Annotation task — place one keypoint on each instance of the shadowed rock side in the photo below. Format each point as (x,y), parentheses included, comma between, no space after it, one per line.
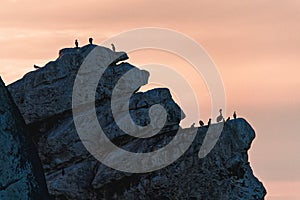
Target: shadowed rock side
(21,173)
(44,98)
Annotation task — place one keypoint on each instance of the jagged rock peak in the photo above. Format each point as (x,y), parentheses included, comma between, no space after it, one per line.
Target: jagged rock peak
(47,91)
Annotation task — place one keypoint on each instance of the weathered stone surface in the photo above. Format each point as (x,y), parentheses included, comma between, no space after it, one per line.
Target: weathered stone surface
(224,174)
(21,173)
(47,91)
(72,173)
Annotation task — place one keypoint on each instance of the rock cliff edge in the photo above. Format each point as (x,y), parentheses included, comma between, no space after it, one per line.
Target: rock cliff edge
(44,98)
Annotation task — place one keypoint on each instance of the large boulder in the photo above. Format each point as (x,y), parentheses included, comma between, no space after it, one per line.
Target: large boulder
(45,100)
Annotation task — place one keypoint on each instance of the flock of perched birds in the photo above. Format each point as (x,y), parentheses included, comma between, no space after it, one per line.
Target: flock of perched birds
(91,42)
(77,46)
(220,118)
(201,123)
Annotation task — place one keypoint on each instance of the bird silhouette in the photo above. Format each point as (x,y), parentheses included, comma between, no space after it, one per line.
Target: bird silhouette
(220,117)
(91,40)
(113,47)
(76,43)
(227,120)
(209,122)
(36,67)
(201,123)
(234,115)
(193,125)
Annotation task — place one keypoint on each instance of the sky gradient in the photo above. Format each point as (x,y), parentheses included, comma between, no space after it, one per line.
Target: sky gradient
(254,44)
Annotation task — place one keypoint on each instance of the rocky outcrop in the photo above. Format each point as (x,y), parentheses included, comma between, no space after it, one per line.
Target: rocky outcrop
(47,92)
(21,173)
(44,98)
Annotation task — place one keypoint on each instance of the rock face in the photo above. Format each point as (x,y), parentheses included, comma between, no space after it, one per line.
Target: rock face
(44,98)
(21,173)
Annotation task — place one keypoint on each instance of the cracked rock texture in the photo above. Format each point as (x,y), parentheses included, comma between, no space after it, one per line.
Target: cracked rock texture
(44,98)
(21,173)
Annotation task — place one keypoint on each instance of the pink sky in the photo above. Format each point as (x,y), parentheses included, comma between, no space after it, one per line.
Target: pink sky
(255,45)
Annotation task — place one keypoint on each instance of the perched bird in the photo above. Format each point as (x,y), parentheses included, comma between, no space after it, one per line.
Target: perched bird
(227,119)
(220,117)
(234,115)
(209,122)
(36,67)
(91,40)
(76,43)
(62,171)
(193,125)
(113,47)
(201,123)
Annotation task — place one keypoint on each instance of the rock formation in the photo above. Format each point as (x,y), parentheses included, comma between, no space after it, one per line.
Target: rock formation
(21,173)
(44,98)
